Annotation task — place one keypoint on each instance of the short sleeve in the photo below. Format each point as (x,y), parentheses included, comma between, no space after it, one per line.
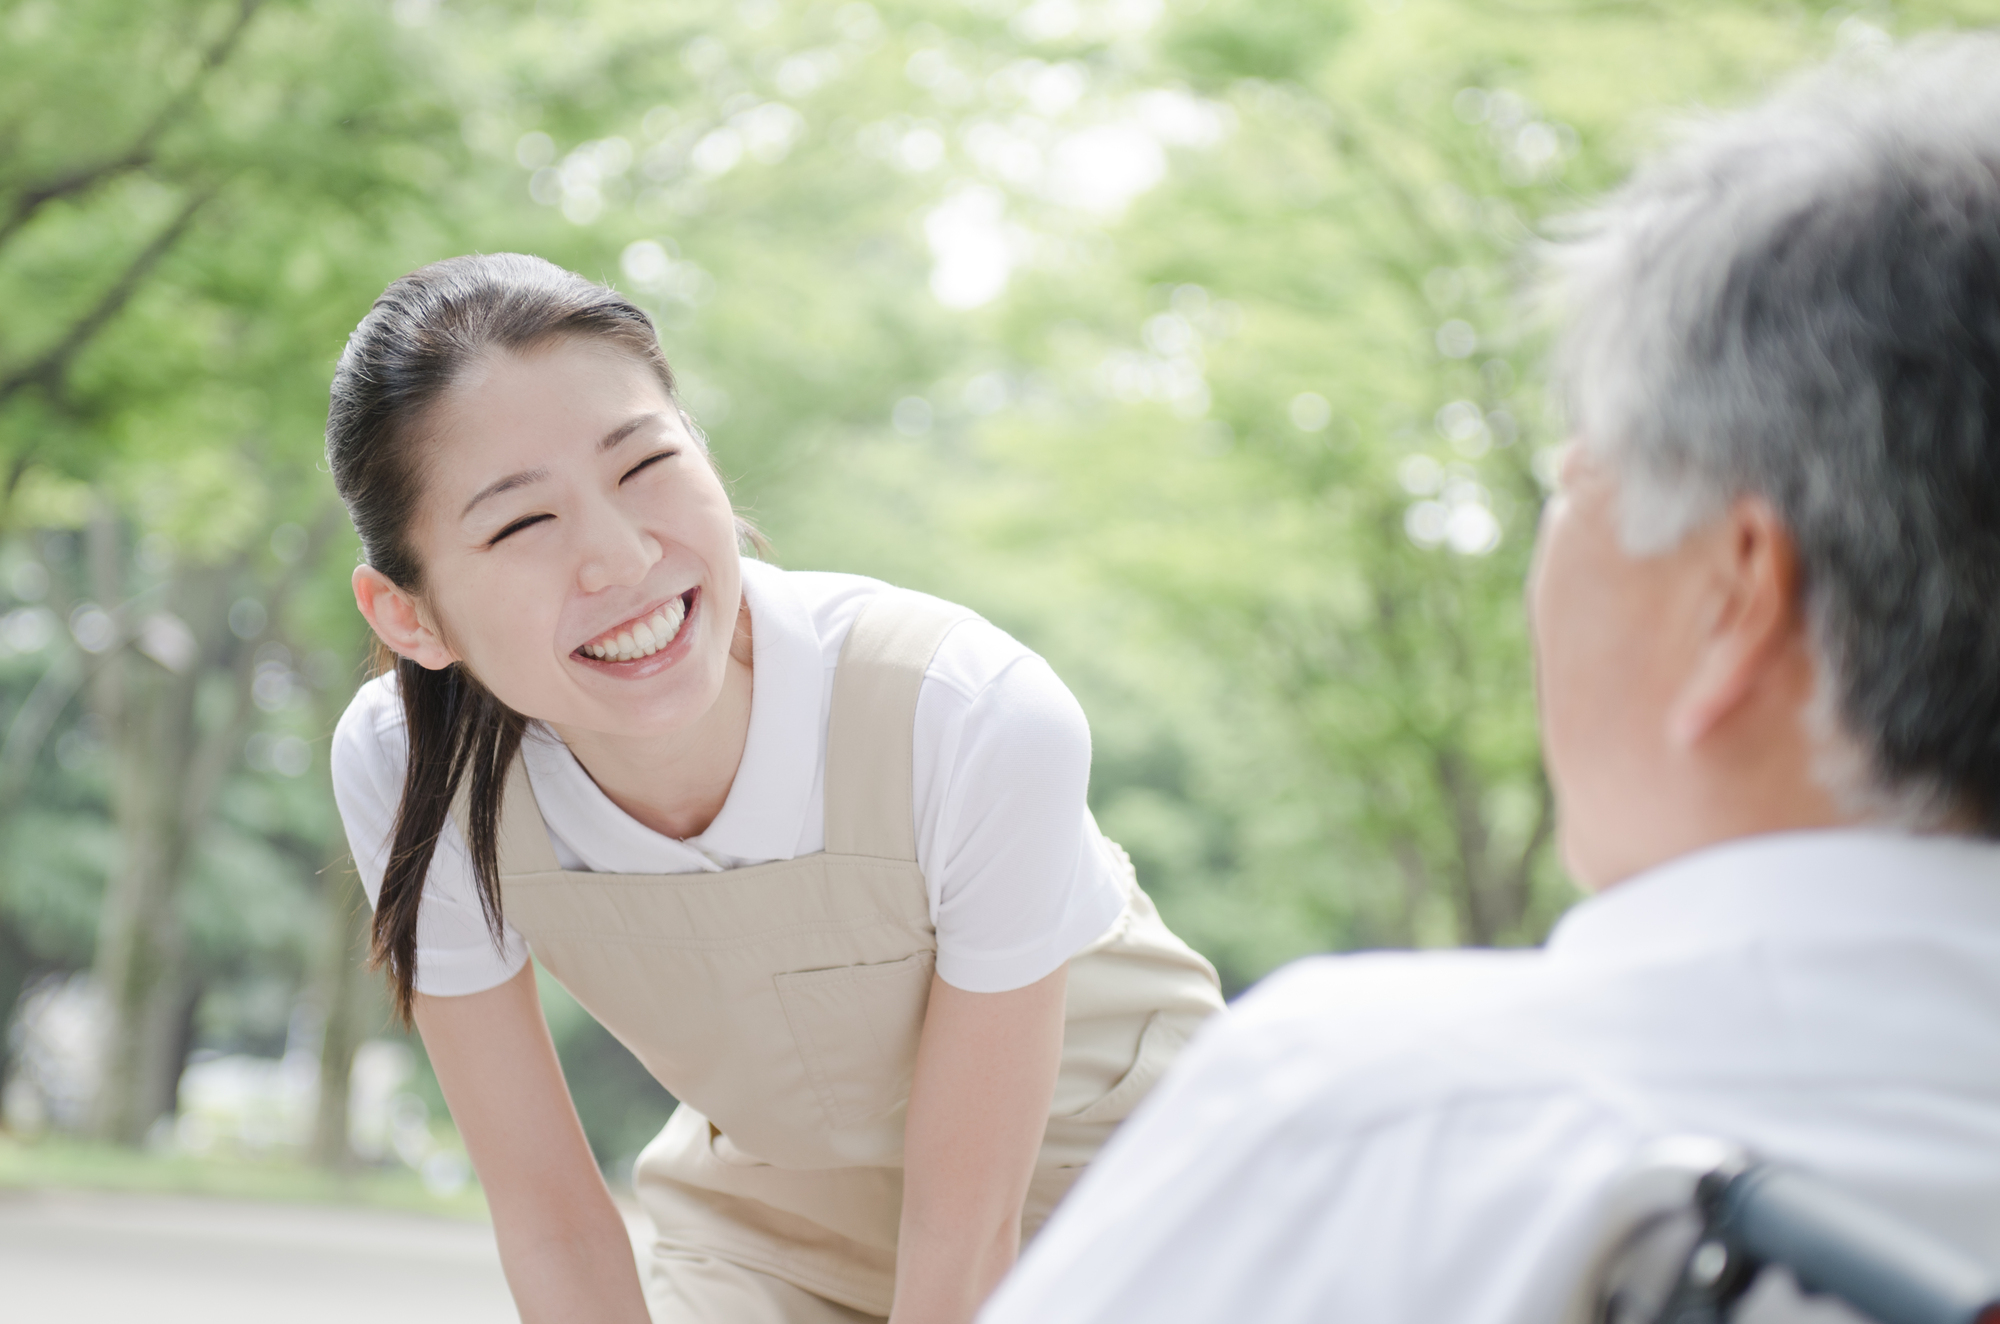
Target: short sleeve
(1022,880)
(456,952)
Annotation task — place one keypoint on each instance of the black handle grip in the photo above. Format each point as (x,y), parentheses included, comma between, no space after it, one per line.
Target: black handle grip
(1834,1243)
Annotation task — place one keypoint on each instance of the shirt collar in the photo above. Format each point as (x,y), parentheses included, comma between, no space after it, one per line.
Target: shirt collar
(1801,885)
(767,804)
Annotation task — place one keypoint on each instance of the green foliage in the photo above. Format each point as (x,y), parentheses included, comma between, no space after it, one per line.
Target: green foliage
(56,867)
(1223,41)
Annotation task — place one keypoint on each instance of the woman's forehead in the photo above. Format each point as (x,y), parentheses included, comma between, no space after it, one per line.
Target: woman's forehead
(571,393)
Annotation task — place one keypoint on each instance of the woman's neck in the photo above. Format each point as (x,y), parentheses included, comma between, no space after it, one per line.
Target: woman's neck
(677,784)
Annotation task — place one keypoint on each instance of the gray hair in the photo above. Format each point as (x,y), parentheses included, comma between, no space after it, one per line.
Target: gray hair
(1802,302)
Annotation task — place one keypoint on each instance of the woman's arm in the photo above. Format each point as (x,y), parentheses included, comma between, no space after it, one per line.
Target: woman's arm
(979,1102)
(562,1243)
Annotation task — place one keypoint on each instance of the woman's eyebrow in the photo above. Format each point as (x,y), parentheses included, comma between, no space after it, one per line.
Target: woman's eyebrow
(627,428)
(507,484)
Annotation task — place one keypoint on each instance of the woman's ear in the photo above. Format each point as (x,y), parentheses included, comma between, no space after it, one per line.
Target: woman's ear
(397,622)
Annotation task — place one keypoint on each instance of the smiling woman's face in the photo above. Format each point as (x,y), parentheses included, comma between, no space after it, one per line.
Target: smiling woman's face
(579,552)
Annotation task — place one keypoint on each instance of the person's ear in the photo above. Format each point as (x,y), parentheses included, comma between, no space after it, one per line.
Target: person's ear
(398,622)
(1748,622)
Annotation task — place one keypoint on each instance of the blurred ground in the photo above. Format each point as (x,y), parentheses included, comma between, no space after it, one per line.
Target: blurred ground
(103,1258)
(65,1163)
(87,1257)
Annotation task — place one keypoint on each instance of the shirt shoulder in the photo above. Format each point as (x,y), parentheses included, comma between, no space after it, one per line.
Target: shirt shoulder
(978,658)
(971,656)
(370,743)
(830,600)
(1359,1040)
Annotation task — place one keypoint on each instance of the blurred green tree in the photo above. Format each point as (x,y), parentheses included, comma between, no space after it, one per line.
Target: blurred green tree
(183,187)
(1182,339)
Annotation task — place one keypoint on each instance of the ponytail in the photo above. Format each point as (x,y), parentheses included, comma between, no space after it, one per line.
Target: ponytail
(456,729)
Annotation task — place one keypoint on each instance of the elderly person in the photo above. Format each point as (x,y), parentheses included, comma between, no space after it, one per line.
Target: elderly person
(1766,609)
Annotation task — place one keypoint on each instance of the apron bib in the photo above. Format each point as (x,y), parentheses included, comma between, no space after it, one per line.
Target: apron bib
(781,1003)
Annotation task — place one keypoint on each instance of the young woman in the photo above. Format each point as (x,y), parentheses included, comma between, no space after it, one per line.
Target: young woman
(814,848)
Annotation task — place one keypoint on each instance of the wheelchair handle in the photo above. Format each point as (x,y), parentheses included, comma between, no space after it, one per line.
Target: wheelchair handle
(1838,1245)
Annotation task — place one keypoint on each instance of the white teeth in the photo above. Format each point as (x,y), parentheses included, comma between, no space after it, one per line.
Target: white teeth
(644,639)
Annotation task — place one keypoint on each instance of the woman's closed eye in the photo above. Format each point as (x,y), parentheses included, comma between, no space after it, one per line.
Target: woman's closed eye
(524,522)
(656,456)
(528,521)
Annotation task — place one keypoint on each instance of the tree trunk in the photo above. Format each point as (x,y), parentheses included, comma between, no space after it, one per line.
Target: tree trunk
(159,799)
(18,969)
(1416,886)
(343,995)
(167,769)
(141,966)
(1482,916)
(1493,895)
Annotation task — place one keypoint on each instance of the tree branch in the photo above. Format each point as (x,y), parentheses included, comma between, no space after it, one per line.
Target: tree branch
(47,371)
(1544,829)
(140,154)
(32,723)
(1416,882)
(1462,794)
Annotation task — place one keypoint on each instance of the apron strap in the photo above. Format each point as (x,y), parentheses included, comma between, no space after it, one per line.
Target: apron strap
(873,723)
(523,844)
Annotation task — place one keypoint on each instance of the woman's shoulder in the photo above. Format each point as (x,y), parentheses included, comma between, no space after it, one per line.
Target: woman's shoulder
(827,600)
(369,742)
(973,657)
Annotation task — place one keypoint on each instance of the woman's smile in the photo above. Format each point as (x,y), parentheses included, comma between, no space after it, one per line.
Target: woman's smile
(658,635)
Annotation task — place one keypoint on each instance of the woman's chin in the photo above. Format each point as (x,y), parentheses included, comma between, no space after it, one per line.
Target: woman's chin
(675,699)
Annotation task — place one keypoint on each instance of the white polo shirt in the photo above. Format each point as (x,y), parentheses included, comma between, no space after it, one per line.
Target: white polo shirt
(1018,876)
(1423,1138)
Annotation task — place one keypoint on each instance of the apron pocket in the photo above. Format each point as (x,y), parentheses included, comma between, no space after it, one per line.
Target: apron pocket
(1159,1044)
(856,1027)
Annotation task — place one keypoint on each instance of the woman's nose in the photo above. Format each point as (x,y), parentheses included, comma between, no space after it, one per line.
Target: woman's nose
(617,554)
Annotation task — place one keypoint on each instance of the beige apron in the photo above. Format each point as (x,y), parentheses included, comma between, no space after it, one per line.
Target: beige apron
(781,1003)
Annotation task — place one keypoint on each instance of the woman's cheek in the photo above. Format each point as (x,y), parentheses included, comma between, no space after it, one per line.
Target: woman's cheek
(515,619)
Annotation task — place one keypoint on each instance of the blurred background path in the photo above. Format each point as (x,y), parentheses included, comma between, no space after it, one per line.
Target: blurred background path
(100,1258)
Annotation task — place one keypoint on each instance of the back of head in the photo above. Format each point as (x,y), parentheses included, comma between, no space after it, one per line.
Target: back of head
(1802,302)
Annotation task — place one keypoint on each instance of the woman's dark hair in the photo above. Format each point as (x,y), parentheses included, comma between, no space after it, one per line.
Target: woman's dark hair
(416,341)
